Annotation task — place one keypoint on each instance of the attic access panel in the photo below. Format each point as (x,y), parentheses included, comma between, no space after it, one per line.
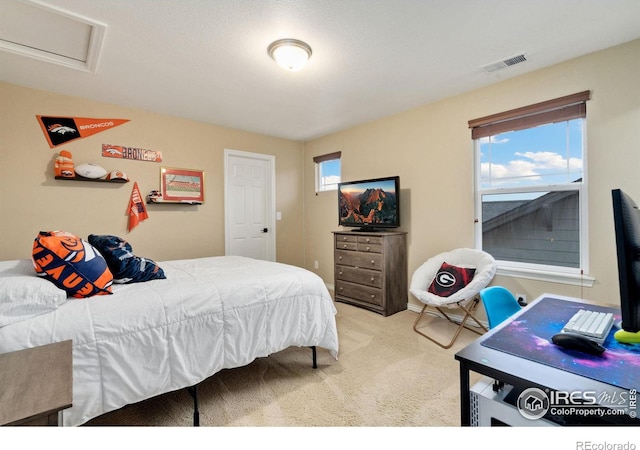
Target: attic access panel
(39,31)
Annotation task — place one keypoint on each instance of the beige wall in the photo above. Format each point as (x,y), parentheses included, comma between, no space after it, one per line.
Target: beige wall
(32,200)
(430,149)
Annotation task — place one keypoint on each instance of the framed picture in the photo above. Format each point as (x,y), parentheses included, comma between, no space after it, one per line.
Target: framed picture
(182,185)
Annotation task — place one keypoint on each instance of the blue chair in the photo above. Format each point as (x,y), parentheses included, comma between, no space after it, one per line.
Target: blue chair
(499,304)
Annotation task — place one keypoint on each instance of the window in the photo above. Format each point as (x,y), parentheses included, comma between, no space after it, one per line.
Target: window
(327,171)
(531,189)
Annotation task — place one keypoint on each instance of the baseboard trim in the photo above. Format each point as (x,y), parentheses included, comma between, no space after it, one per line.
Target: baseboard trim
(417,308)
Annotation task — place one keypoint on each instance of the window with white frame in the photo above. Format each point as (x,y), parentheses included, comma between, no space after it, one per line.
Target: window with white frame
(327,171)
(531,187)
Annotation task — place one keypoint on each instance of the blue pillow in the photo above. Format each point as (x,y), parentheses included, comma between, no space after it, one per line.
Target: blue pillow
(123,264)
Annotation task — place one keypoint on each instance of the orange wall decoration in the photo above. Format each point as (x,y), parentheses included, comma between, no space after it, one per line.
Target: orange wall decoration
(60,130)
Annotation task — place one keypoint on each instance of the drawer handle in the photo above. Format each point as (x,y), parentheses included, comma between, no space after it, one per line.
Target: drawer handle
(340,257)
(344,246)
(340,273)
(373,262)
(344,238)
(368,240)
(340,289)
(372,279)
(373,296)
(368,248)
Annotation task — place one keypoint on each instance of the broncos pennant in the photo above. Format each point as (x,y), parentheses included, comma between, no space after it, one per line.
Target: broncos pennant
(72,264)
(59,130)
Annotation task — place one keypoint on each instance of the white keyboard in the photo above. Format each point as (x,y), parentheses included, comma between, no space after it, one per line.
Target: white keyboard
(591,324)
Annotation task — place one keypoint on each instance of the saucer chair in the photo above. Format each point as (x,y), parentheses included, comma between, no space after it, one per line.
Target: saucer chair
(452,280)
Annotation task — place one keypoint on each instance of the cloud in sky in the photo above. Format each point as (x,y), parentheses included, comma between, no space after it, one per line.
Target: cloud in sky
(331,179)
(493,140)
(515,169)
(551,160)
(529,165)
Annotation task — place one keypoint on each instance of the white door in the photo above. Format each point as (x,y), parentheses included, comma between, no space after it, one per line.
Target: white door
(249,205)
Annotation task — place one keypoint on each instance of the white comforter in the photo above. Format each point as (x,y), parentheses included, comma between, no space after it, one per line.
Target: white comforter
(159,336)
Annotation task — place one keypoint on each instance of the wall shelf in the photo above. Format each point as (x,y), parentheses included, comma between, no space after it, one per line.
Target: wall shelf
(174,202)
(99,180)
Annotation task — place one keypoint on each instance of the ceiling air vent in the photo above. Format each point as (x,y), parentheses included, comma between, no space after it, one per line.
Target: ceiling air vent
(505,63)
(33,29)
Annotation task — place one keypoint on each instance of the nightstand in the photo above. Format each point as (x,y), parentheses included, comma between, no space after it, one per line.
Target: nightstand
(36,384)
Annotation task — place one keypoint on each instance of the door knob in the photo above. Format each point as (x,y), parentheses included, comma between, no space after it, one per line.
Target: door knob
(264,230)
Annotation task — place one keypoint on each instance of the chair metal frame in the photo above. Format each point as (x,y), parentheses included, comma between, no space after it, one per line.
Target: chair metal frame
(463,323)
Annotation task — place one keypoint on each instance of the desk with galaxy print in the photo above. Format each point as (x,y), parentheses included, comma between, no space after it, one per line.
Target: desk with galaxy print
(519,353)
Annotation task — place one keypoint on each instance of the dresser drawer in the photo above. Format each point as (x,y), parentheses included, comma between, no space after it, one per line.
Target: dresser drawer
(373,240)
(356,291)
(342,245)
(346,242)
(346,238)
(369,248)
(358,275)
(359,259)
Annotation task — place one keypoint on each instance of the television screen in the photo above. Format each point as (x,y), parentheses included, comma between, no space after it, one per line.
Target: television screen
(369,204)
(627,231)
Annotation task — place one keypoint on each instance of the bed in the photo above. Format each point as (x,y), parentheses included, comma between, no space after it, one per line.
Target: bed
(146,339)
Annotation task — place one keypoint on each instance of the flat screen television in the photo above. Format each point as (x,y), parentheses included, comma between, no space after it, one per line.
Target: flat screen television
(369,205)
(626,218)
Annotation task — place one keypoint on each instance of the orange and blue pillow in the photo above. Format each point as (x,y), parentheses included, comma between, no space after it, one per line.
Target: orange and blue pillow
(72,264)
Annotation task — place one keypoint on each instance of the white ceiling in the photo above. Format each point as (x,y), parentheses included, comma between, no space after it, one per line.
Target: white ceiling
(206,60)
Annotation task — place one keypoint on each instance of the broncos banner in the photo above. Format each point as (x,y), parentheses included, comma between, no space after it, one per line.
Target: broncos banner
(119,151)
(136,210)
(60,130)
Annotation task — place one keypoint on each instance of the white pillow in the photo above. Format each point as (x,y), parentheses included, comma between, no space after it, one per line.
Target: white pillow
(23,294)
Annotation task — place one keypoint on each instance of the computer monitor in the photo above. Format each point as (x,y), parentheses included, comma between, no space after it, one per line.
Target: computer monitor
(626,217)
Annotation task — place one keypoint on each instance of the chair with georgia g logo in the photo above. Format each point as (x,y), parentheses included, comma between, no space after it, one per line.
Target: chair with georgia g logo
(452,280)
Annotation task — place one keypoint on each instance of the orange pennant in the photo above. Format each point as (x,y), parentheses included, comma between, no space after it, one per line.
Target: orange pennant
(137,211)
(60,130)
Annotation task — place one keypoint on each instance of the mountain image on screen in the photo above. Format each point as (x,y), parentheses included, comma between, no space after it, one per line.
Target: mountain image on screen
(371,206)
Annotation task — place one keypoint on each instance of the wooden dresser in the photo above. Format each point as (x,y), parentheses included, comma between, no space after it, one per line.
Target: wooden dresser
(371,270)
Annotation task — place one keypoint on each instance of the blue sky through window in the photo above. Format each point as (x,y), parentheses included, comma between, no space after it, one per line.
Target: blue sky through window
(544,155)
(330,172)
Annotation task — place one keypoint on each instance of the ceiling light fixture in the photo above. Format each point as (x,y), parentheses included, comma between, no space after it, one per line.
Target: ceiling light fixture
(290,54)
